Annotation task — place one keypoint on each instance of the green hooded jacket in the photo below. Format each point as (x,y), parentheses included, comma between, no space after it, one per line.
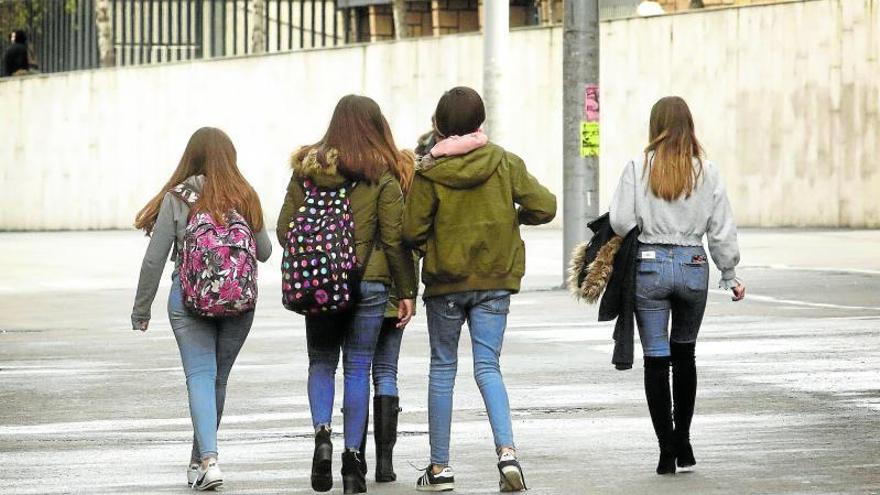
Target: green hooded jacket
(377,209)
(465,212)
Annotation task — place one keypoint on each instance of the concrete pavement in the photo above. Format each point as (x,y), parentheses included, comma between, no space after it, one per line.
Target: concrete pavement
(788,399)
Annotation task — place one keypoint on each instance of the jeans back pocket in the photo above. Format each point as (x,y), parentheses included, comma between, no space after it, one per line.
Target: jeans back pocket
(696,276)
(649,277)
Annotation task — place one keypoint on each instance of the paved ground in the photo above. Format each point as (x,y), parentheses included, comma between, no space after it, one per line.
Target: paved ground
(788,400)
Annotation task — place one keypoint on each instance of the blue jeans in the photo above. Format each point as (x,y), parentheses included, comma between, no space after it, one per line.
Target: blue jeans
(386,358)
(356,336)
(486,314)
(671,280)
(208,348)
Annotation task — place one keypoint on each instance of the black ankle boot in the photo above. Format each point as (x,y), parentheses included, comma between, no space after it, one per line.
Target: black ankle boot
(386,410)
(322,462)
(660,407)
(684,394)
(353,480)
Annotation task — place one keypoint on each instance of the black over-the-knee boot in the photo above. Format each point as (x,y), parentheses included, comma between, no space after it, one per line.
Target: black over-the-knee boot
(386,409)
(684,394)
(660,407)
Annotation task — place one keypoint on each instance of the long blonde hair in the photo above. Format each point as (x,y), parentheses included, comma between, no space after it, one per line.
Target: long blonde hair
(674,143)
(211,153)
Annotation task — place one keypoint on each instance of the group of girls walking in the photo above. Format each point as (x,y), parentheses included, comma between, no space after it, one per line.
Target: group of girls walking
(358,217)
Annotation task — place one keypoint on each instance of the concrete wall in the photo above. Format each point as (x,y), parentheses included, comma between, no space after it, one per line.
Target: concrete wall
(785,97)
(86,150)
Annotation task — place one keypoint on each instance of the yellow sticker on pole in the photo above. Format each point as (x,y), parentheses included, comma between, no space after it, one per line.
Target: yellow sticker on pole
(589,139)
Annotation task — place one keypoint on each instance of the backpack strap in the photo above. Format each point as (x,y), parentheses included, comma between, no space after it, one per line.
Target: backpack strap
(186,194)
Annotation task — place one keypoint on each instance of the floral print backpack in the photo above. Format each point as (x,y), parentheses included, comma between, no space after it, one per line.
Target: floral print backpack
(218,267)
(319,269)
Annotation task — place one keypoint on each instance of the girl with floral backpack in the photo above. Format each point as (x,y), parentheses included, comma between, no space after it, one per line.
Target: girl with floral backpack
(210,219)
(340,227)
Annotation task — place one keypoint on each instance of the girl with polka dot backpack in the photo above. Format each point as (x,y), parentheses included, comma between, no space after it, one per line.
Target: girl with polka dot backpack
(340,226)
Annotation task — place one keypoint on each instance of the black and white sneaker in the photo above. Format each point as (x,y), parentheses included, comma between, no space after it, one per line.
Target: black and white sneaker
(512,478)
(208,479)
(192,474)
(444,481)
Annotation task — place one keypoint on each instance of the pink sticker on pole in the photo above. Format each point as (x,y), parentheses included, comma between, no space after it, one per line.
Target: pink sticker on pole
(591,103)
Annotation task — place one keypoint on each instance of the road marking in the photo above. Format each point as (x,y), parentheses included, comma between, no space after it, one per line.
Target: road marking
(858,271)
(794,302)
(118,425)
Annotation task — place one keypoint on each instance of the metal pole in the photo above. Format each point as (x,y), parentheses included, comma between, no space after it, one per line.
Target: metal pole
(580,78)
(495,34)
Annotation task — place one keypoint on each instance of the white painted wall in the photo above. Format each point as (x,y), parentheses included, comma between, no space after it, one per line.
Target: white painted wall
(86,150)
(785,97)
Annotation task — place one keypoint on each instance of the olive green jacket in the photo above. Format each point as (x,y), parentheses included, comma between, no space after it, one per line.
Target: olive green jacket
(377,210)
(463,209)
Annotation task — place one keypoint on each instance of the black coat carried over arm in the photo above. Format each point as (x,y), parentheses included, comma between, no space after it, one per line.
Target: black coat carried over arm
(606,266)
(619,300)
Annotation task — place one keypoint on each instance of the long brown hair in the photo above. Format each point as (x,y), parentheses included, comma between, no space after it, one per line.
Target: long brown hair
(404,170)
(362,137)
(674,143)
(211,153)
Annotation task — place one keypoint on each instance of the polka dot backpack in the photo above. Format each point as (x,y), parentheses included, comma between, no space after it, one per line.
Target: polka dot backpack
(319,268)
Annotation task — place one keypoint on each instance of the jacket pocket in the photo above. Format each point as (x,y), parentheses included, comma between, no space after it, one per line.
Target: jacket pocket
(448,258)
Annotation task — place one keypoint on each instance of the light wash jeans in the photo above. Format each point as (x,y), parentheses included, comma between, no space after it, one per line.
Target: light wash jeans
(386,358)
(486,315)
(356,336)
(671,281)
(208,348)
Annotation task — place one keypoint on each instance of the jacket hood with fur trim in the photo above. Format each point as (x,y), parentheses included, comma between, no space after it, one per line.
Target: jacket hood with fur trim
(323,175)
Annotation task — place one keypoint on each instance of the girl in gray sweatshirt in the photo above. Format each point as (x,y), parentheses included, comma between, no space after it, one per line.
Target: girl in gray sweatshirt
(675,198)
(206,182)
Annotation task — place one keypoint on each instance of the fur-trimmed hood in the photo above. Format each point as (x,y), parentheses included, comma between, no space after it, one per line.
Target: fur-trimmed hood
(587,279)
(324,173)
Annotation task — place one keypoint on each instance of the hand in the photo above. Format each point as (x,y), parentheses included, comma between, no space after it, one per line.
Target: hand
(405,311)
(142,325)
(739,292)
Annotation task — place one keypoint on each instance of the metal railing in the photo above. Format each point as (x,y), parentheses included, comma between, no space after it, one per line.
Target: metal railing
(150,31)
(63,34)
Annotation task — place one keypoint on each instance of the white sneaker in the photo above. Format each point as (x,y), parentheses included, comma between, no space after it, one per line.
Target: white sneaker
(208,479)
(192,474)
(512,478)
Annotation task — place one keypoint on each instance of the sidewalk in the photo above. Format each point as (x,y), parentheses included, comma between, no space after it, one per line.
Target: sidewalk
(111,259)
